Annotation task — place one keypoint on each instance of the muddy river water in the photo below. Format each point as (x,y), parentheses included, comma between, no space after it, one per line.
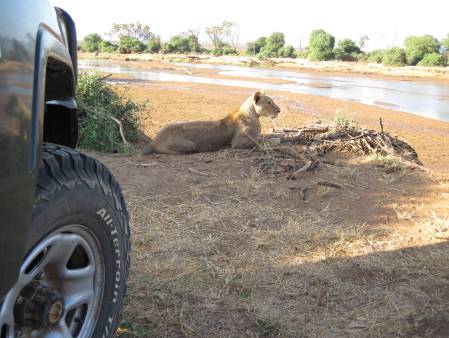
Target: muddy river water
(417,97)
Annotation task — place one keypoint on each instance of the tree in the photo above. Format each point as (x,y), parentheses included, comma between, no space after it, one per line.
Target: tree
(273,43)
(347,50)
(362,41)
(180,44)
(445,44)
(416,47)
(194,34)
(215,34)
(231,31)
(254,47)
(128,45)
(321,45)
(133,30)
(91,42)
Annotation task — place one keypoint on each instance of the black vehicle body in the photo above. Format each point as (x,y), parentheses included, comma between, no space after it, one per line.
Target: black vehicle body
(37,88)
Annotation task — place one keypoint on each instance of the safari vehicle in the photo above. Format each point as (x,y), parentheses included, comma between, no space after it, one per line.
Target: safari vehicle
(64,242)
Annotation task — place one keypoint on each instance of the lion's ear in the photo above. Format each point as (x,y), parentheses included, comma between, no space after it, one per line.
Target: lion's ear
(257,96)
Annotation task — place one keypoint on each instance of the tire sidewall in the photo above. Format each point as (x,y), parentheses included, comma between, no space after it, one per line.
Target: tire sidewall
(95,211)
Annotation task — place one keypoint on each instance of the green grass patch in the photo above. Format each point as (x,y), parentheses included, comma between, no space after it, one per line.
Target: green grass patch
(98,105)
(343,120)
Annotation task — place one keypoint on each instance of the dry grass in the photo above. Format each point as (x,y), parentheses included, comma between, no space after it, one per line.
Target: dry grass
(240,255)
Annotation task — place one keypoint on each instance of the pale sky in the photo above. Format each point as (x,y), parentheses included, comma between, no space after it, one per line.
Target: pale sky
(384,21)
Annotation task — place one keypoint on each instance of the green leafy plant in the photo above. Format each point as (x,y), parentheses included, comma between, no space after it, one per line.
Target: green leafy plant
(433,60)
(129,45)
(394,57)
(417,47)
(376,56)
(287,52)
(100,107)
(321,46)
(347,50)
(91,42)
(108,47)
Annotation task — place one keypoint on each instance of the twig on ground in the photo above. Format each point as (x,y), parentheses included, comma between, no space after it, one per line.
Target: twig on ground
(197,172)
(143,164)
(329,184)
(303,169)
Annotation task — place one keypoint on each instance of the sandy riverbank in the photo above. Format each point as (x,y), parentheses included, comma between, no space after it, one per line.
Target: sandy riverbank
(435,74)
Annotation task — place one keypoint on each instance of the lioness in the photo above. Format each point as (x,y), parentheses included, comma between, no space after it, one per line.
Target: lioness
(240,129)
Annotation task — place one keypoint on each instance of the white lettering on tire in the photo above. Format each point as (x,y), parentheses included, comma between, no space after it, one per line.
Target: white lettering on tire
(116,244)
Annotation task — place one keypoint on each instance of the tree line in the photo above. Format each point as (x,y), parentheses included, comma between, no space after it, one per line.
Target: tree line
(423,50)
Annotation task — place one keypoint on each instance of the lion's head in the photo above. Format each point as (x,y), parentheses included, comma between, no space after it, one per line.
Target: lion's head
(264,105)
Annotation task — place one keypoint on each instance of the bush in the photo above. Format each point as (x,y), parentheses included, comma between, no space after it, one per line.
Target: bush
(91,43)
(433,60)
(179,44)
(321,45)
(228,50)
(394,57)
(376,56)
(268,51)
(129,45)
(303,54)
(346,51)
(416,48)
(108,47)
(154,45)
(362,57)
(320,55)
(253,48)
(287,52)
(97,103)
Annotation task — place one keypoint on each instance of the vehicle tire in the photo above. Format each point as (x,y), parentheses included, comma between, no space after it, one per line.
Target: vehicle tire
(79,242)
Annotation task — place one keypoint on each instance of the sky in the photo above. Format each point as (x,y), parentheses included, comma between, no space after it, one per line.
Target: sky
(385,22)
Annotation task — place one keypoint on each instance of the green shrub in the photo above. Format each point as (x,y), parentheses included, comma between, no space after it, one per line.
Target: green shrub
(129,45)
(228,50)
(320,55)
(433,60)
(108,47)
(91,43)
(416,48)
(394,57)
(287,52)
(253,48)
(97,104)
(303,54)
(179,44)
(376,56)
(154,45)
(346,51)
(268,51)
(362,57)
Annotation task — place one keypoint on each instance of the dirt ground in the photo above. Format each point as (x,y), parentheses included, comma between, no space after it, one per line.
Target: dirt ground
(225,247)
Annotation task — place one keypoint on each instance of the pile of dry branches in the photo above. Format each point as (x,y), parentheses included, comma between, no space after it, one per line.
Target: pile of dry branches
(290,147)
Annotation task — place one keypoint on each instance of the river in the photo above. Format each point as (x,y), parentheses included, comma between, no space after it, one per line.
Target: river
(417,97)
